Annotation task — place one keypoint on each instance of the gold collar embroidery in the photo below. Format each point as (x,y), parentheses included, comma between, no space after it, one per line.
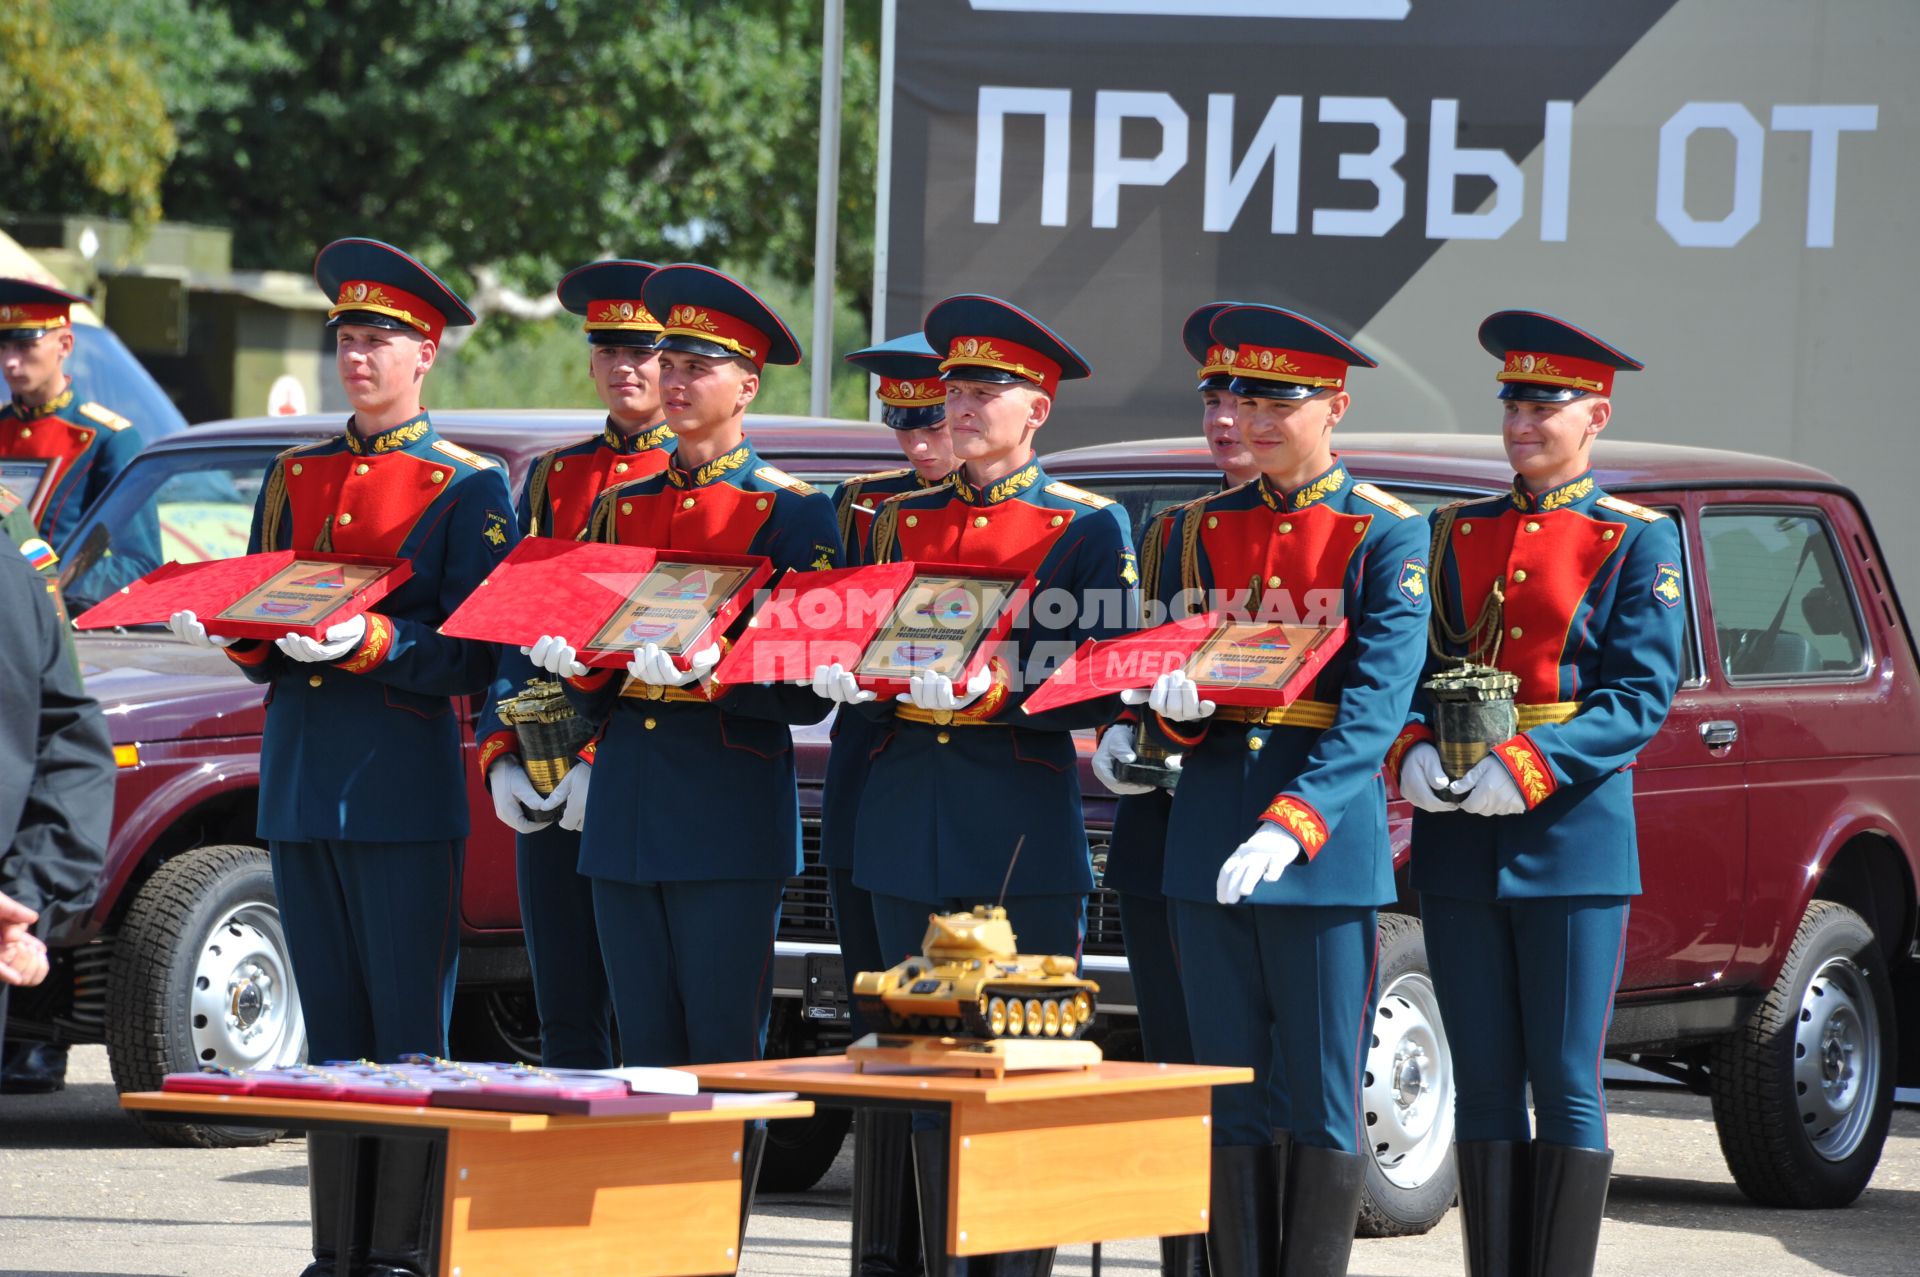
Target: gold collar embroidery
(1564,495)
(1319,490)
(1014,484)
(638,441)
(393,440)
(47,409)
(724,464)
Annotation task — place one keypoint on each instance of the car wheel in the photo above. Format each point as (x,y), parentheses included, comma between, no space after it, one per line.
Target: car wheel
(202,975)
(495,1025)
(1407,1093)
(1803,1091)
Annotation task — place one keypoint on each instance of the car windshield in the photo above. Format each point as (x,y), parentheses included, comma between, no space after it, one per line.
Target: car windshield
(186,505)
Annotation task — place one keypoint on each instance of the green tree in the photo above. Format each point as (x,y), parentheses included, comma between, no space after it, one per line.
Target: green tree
(82,125)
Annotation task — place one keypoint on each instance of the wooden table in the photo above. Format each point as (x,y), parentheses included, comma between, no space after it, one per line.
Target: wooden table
(1038,1159)
(645,1195)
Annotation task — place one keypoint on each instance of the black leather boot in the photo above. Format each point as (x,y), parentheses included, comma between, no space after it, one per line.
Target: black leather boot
(328,1156)
(1496,1205)
(1569,1201)
(886,1215)
(405,1241)
(1184,1256)
(753,1147)
(33,1068)
(1243,1212)
(1322,1205)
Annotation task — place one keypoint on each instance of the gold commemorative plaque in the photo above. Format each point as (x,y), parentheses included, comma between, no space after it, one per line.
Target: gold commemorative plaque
(1254,655)
(673,605)
(937,626)
(305,593)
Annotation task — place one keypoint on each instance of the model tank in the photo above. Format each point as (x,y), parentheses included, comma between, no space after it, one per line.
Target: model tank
(971,980)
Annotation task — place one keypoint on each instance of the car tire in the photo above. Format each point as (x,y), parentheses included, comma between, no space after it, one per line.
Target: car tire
(202,975)
(1406,1093)
(800,1150)
(1803,1091)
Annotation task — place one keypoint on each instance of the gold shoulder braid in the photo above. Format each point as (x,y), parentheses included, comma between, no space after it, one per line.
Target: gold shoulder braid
(537,490)
(886,524)
(1153,547)
(1479,640)
(849,498)
(600,526)
(273,504)
(1190,548)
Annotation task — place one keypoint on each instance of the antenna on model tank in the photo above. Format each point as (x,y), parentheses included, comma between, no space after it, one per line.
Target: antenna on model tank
(1008,880)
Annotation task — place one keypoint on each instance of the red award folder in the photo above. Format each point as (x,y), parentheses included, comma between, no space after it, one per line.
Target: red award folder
(1235,662)
(885,622)
(609,600)
(256,596)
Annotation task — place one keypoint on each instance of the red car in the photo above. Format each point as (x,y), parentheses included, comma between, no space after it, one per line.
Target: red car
(1771,960)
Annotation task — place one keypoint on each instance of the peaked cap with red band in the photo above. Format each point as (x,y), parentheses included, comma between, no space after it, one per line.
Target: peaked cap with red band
(985,339)
(1279,354)
(1548,360)
(608,296)
(704,312)
(28,309)
(911,393)
(378,285)
(1214,357)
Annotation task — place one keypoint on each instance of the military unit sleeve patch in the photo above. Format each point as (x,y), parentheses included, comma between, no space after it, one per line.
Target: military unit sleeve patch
(1129,567)
(1413,579)
(824,557)
(495,532)
(1666,585)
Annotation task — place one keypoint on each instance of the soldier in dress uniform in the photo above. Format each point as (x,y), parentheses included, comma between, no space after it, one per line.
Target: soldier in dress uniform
(914,404)
(363,796)
(1277,853)
(1136,857)
(556,900)
(961,774)
(1524,885)
(48,419)
(691,839)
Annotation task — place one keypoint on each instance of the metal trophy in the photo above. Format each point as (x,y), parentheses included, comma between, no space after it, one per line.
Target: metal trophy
(1473,711)
(1151,750)
(551,732)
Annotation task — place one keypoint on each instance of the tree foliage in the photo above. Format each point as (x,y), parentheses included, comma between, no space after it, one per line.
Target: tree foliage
(83,127)
(524,136)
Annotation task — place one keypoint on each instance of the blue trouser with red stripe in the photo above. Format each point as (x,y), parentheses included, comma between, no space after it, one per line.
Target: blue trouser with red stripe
(374,932)
(690,965)
(1286,990)
(1526,990)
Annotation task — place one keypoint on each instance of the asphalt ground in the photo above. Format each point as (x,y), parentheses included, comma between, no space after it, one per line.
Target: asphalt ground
(83,1192)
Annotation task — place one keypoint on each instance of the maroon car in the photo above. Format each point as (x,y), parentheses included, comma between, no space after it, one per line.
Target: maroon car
(1778,813)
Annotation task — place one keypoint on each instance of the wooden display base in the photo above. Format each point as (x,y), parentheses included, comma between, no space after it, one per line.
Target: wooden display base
(996,1058)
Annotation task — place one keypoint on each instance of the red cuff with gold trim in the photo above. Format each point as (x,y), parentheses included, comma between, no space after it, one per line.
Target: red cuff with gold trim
(1187,734)
(375,645)
(1410,735)
(1297,817)
(249,651)
(993,699)
(494,746)
(587,751)
(1529,769)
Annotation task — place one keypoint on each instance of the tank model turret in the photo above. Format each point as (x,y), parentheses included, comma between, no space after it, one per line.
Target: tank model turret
(971,980)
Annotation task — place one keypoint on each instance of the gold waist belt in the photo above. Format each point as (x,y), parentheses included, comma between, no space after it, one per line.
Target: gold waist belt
(1545,712)
(1315,714)
(937,717)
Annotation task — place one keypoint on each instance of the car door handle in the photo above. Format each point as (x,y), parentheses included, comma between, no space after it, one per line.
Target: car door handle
(1719,733)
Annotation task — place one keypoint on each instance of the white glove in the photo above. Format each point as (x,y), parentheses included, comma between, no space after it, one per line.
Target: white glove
(1261,858)
(556,656)
(1421,776)
(513,794)
(935,691)
(1489,790)
(1174,696)
(340,640)
(187,626)
(837,684)
(1116,746)
(571,795)
(651,664)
